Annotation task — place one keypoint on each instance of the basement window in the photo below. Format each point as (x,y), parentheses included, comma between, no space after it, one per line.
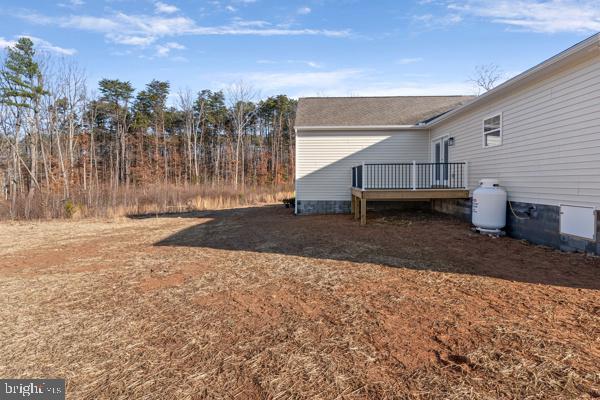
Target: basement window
(492,131)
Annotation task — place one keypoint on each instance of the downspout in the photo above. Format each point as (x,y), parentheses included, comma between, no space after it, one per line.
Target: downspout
(296,171)
(429,145)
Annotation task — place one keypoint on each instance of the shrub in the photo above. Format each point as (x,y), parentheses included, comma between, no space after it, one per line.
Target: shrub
(70,208)
(289,202)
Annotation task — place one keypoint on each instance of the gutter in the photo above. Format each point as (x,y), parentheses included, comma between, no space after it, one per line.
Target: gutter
(361,127)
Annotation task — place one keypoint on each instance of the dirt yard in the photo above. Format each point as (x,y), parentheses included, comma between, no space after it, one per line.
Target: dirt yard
(256,303)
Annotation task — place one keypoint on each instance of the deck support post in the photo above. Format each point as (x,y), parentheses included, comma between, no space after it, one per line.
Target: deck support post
(363,211)
(352,204)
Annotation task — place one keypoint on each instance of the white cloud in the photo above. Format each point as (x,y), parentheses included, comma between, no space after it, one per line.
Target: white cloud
(143,30)
(231,8)
(6,43)
(545,16)
(304,10)
(438,21)
(164,8)
(175,45)
(345,82)
(72,4)
(312,64)
(413,88)
(409,60)
(47,46)
(84,22)
(40,44)
(320,81)
(163,50)
(131,40)
(250,23)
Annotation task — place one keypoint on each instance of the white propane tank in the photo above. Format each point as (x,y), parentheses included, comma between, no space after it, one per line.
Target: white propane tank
(489,206)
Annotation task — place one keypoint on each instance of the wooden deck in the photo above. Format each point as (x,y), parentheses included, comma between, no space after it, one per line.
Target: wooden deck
(361,196)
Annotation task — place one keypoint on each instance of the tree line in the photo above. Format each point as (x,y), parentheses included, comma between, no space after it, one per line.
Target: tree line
(60,140)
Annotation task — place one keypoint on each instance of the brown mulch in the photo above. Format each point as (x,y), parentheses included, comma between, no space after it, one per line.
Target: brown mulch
(257,303)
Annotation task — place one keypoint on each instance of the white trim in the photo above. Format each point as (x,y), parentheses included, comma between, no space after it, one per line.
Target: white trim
(363,178)
(483,133)
(440,139)
(295,172)
(466,175)
(432,146)
(414,175)
(361,127)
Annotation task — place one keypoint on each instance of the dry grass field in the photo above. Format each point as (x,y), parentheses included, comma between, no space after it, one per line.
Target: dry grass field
(256,303)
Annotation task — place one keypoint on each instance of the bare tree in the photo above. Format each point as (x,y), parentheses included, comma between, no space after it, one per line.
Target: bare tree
(64,151)
(6,172)
(486,77)
(186,104)
(242,110)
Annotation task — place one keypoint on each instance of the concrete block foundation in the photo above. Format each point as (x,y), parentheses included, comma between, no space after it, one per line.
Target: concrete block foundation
(322,207)
(536,223)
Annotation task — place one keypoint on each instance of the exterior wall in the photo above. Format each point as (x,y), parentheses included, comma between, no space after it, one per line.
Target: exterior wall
(536,223)
(550,152)
(324,161)
(541,225)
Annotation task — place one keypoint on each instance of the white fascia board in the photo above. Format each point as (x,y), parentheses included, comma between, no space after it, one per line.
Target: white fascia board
(362,128)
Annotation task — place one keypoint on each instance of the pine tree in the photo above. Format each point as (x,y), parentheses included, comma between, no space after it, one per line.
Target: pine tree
(21,88)
(118,94)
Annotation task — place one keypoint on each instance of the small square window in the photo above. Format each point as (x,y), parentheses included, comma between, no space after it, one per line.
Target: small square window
(492,131)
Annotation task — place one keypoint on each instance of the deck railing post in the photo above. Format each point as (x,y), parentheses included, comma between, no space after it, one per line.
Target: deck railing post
(414,175)
(364,182)
(466,175)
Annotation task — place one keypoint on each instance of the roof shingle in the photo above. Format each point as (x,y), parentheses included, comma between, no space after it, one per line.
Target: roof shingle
(373,111)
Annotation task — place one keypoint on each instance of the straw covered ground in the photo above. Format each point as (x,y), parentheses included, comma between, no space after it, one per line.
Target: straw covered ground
(255,303)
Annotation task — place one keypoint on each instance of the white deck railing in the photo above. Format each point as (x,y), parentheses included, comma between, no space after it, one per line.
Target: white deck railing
(410,176)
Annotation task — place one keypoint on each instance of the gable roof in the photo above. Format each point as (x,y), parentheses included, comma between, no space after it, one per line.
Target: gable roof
(589,47)
(373,111)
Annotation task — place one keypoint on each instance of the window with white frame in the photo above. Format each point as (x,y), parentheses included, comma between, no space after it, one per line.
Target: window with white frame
(492,131)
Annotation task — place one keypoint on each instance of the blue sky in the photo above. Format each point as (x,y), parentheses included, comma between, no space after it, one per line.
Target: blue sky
(301,48)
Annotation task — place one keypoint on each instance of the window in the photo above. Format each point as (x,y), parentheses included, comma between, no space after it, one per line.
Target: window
(492,131)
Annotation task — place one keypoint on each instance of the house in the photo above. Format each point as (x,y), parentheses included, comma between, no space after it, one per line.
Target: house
(538,134)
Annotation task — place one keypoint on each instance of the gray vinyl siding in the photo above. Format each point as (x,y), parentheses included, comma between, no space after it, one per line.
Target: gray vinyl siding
(550,152)
(325,159)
